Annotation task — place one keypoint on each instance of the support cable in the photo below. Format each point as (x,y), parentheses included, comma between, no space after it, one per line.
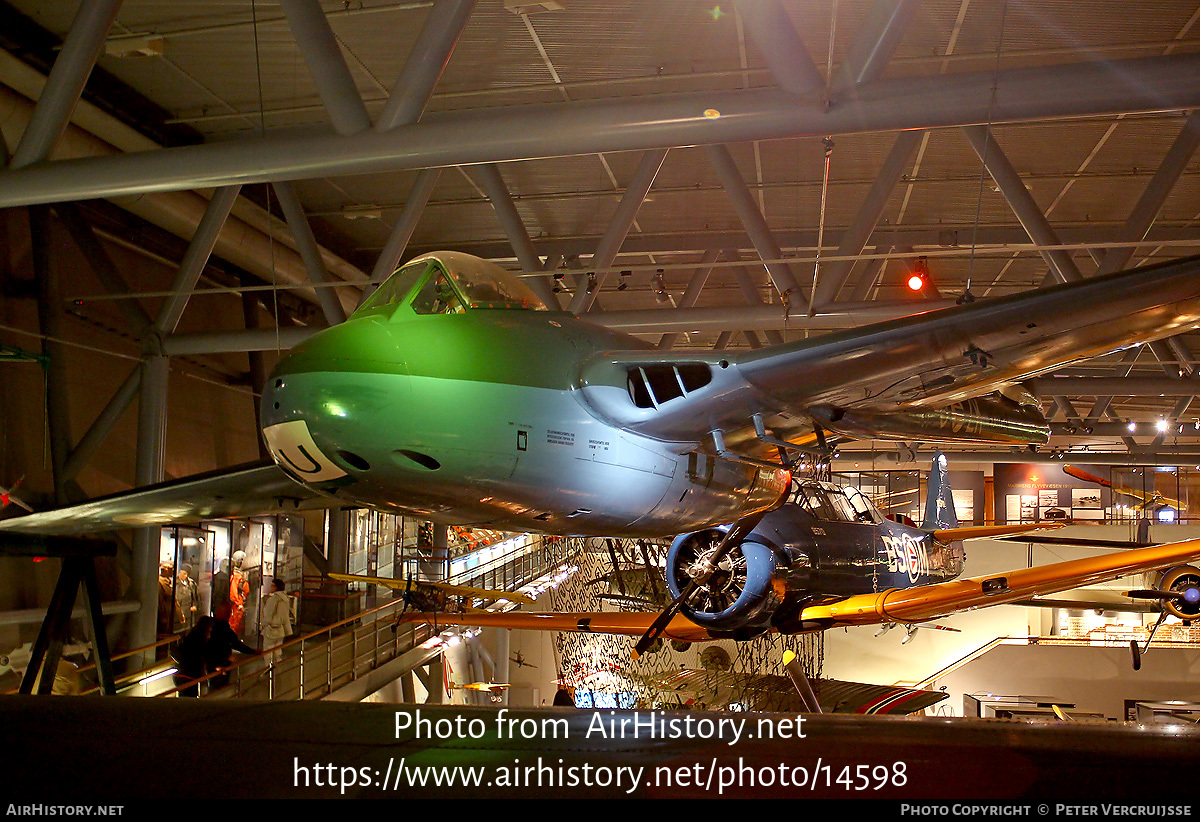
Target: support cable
(983,159)
(827,142)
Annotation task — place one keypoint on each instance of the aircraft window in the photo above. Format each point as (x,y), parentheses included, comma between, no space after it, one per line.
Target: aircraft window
(396,287)
(827,503)
(487,286)
(845,511)
(864,509)
(814,500)
(438,296)
(665,382)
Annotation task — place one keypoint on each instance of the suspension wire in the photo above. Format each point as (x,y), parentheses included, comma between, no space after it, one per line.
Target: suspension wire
(983,160)
(812,294)
(262,128)
(827,142)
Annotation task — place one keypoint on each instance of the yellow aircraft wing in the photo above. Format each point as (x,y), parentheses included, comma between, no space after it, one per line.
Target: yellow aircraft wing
(924,602)
(444,587)
(599,622)
(981,531)
(486,687)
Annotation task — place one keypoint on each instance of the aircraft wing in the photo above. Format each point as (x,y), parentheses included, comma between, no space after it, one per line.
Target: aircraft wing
(444,587)
(248,490)
(990,531)
(922,361)
(599,622)
(925,602)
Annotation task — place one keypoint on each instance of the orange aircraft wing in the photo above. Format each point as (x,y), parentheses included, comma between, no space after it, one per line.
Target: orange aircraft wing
(600,622)
(981,531)
(925,602)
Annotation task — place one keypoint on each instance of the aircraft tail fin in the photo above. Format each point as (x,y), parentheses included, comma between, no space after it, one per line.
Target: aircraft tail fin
(939,501)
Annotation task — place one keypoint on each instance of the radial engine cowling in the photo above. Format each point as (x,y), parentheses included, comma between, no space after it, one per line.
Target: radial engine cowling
(1183,580)
(738,595)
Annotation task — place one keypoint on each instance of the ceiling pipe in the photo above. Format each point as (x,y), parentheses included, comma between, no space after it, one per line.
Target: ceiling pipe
(560,129)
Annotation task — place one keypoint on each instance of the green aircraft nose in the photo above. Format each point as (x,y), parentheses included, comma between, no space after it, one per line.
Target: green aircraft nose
(330,403)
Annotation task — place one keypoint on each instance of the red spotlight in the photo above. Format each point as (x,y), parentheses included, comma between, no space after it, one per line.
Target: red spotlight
(920,274)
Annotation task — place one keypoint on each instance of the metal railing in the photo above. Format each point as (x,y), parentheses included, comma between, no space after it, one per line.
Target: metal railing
(322,661)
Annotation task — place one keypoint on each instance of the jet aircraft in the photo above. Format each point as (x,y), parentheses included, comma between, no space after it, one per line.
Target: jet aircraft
(452,393)
(828,558)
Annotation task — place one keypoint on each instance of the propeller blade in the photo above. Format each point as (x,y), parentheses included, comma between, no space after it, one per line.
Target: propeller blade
(737,532)
(1150,593)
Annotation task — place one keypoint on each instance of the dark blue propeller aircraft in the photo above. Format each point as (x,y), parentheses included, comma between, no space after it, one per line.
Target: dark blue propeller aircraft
(827,557)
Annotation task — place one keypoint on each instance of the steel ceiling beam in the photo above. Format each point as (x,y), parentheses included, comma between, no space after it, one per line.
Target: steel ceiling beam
(692,293)
(708,118)
(1022,203)
(754,223)
(1151,202)
(944,240)
(65,83)
(876,41)
(1112,386)
(618,228)
(871,273)
(195,258)
(750,294)
(487,177)
(771,29)
(310,253)
(1143,456)
(321,51)
(425,63)
(397,241)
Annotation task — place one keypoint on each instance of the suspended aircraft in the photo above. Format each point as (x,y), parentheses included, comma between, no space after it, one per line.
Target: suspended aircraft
(828,558)
(429,595)
(1150,501)
(453,394)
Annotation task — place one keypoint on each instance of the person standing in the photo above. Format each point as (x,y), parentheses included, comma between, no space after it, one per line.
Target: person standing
(187,598)
(277,621)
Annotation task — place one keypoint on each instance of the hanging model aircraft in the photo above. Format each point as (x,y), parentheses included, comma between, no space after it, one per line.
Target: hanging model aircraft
(828,558)
(452,394)
(1149,501)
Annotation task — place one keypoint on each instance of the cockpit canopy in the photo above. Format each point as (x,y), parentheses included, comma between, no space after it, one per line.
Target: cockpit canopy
(449,282)
(834,503)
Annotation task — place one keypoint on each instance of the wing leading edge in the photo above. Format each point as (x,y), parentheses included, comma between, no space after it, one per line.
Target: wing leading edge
(248,490)
(921,362)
